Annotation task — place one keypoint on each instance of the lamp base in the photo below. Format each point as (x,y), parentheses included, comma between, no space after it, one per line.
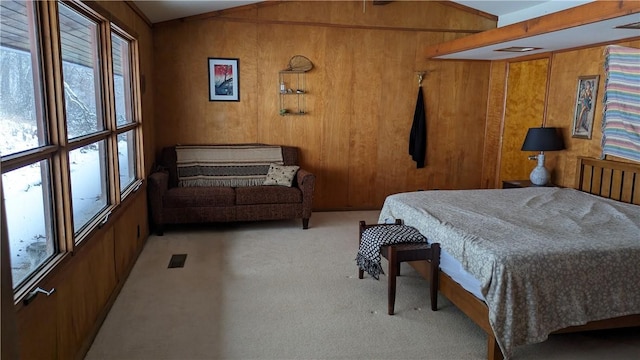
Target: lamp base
(540,175)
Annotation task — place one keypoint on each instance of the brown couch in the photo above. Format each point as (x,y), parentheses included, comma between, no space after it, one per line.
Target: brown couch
(171,204)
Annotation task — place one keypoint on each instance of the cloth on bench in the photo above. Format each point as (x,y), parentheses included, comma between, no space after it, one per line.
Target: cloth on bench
(225,165)
(375,237)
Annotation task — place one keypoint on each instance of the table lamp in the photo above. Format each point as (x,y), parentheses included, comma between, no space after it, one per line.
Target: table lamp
(541,139)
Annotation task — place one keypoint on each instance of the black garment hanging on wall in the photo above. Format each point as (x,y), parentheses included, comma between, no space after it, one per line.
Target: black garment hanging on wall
(418,136)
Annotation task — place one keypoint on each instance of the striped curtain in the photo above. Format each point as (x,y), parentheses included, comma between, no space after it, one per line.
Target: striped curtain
(621,119)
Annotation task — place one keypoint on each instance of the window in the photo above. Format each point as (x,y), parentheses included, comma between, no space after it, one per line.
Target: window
(122,79)
(28,211)
(26,178)
(88,136)
(127,158)
(123,88)
(21,123)
(88,186)
(81,72)
(83,102)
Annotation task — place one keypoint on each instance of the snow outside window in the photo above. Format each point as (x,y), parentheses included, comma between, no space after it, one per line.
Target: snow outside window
(127,158)
(27,186)
(81,73)
(122,79)
(84,189)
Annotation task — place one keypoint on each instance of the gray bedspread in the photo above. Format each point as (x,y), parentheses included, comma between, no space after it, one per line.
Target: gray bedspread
(546,258)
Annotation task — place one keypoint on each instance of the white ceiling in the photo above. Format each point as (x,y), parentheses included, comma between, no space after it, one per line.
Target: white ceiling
(508,11)
(593,33)
(163,10)
(513,11)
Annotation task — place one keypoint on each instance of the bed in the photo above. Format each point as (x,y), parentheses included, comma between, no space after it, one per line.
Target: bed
(525,263)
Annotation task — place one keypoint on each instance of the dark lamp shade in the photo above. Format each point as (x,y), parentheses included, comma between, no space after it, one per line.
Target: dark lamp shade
(543,139)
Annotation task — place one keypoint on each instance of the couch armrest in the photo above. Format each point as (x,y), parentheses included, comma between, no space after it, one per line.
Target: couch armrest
(157,187)
(306,183)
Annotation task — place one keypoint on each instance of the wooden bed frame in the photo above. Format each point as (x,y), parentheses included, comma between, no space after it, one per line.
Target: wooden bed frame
(606,178)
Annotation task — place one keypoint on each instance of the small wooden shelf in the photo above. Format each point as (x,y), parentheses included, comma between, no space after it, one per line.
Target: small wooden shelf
(293,101)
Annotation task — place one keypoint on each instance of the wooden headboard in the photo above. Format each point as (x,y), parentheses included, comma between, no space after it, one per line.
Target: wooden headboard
(610,179)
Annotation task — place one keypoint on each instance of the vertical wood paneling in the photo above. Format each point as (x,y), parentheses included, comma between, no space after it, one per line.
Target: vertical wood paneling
(565,70)
(522,106)
(83,290)
(231,121)
(364,137)
(129,233)
(335,118)
(398,101)
(360,100)
(562,97)
(457,92)
(526,88)
(493,131)
(37,327)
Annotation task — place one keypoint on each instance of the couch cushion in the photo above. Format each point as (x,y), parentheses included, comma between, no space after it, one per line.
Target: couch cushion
(267,195)
(183,197)
(281,175)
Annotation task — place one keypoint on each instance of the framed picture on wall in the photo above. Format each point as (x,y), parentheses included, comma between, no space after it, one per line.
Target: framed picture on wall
(585,104)
(224,79)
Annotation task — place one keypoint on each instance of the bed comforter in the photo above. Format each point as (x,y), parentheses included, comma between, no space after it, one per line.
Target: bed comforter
(547,258)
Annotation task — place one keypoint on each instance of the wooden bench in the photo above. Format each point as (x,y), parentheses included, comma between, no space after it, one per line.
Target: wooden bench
(399,253)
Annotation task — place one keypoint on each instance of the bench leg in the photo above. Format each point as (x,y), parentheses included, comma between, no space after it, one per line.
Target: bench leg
(433,288)
(305,223)
(392,279)
(435,276)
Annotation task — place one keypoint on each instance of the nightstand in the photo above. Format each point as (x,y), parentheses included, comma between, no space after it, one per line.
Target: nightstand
(514,184)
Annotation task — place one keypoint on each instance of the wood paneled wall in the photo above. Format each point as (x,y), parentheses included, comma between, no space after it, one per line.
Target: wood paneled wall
(361,93)
(63,325)
(524,108)
(565,70)
(493,131)
(558,74)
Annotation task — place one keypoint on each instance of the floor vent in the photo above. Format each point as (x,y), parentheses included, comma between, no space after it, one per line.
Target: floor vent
(177,261)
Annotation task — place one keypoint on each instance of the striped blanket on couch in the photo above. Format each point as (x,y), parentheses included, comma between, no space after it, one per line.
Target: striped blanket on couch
(225,165)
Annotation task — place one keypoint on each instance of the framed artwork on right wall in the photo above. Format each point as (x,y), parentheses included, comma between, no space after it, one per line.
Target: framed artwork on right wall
(586,95)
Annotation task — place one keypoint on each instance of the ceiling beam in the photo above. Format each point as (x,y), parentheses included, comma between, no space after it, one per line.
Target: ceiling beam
(580,15)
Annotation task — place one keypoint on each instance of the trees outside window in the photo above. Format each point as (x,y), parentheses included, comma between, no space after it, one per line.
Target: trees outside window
(64,159)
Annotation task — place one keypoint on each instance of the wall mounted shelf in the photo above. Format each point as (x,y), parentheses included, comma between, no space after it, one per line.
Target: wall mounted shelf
(292,94)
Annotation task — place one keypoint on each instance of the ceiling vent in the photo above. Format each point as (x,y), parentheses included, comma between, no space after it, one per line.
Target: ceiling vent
(635,25)
(519,49)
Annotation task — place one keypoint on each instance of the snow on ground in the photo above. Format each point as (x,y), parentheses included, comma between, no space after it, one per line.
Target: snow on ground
(30,243)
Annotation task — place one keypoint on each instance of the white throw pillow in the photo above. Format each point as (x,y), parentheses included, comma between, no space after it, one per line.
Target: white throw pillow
(281,175)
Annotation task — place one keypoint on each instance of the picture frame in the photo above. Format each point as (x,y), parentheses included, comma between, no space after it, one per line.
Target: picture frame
(224,79)
(585,104)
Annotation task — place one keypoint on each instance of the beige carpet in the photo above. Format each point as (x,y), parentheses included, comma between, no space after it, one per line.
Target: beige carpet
(271,290)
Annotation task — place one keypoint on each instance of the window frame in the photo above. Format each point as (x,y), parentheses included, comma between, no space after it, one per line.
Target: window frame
(57,146)
(136,110)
